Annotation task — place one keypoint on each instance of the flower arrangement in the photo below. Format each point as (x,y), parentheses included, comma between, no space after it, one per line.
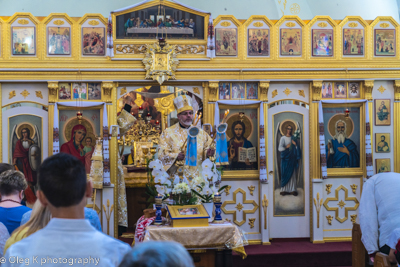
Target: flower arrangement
(206,186)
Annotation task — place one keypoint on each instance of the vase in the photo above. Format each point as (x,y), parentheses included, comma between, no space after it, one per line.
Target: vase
(209,208)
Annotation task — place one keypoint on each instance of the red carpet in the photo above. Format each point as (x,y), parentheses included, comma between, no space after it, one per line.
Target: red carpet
(296,253)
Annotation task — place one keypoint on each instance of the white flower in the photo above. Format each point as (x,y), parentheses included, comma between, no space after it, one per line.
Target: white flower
(207,174)
(198,181)
(157,173)
(181,188)
(159,179)
(160,189)
(185,180)
(198,189)
(207,164)
(215,177)
(156,164)
(207,191)
(165,175)
(168,183)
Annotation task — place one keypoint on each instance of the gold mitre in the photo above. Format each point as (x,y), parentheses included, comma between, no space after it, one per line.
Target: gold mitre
(183,103)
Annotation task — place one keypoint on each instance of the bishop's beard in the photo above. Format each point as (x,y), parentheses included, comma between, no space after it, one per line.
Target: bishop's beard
(340,137)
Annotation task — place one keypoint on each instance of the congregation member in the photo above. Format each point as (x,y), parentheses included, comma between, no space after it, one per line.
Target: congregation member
(40,218)
(63,188)
(90,215)
(158,253)
(379,211)
(394,244)
(4,236)
(12,186)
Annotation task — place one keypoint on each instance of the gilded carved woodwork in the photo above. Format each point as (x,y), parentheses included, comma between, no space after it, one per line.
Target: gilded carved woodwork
(264,86)
(225,24)
(234,212)
(329,218)
(274,93)
(23,21)
(353,218)
(251,189)
(384,25)
(290,24)
(190,49)
(368,86)
(227,189)
(239,206)
(346,209)
(353,24)
(341,204)
(93,22)
(353,188)
(381,89)
(108,211)
(316,90)
(58,22)
(131,49)
(318,204)
(213,91)
(53,91)
(287,91)
(107,91)
(328,188)
(25,93)
(396,85)
(322,24)
(258,24)
(39,94)
(301,93)
(265,206)
(123,91)
(251,222)
(12,94)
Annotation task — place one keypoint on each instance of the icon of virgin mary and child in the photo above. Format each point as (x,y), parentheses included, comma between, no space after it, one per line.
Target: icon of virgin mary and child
(75,147)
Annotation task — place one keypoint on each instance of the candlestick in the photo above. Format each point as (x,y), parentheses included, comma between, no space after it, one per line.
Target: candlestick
(217,204)
(158,219)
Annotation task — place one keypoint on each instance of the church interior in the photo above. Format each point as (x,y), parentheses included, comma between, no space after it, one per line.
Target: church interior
(256,125)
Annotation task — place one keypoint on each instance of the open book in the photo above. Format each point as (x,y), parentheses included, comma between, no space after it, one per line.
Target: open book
(247,153)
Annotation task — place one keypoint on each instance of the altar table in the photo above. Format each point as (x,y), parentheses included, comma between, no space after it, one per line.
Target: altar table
(215,236)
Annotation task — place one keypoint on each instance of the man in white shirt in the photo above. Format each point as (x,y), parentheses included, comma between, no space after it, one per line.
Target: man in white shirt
(379,211)
(68,239)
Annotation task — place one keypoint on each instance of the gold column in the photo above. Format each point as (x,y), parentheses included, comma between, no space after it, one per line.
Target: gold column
(368,86)
(315,97)
(264,86)
(396,126)
(211,93)
(1,121)
(53,98)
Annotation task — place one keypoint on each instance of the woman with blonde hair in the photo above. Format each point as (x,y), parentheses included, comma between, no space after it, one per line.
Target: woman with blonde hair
(39,219)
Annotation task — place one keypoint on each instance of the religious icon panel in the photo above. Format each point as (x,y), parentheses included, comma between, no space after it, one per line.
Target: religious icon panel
(353,42)
(225,42)
(79,138)
(59,40)
(242,136)
(238,91)
(382,142)
(252,90)
(322,42)
(224,91)
(342,137)
(382,165)
(149,22)
(93,41)
(382,112)
(340,90)
(291,42)
(64,91)
(79,91)
(94,91)
(288,164)
(258,42)
(354,90)
(23,40)
(327,89)
(385,42)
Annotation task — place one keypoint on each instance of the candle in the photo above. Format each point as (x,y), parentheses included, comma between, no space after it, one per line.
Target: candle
(157,122)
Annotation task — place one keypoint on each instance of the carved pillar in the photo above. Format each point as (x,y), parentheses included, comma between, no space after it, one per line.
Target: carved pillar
(396,127)
(53,91)
(316,90)
(107,90)
(264,86)
(368,86)
(213,91)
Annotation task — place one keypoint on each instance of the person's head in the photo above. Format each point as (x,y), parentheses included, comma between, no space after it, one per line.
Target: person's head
(382,138)
(40,217)
(238,129)
(26,133)
(5,167)
(289,130)
(157,253)
(383,102)
(88,141)
(62,182)
(78,133)
(340,130)
(12,183)
(186,118)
